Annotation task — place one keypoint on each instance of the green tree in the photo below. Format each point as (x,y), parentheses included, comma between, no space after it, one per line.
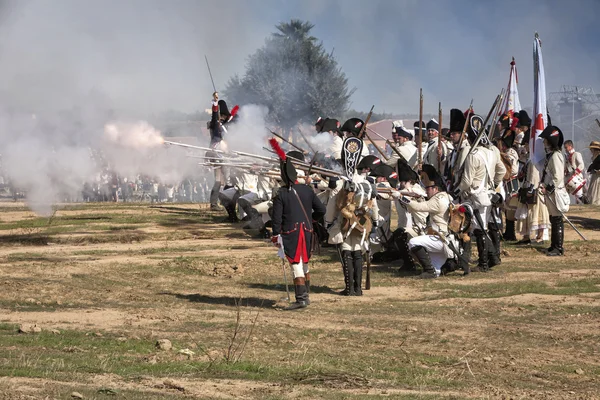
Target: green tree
(294,77)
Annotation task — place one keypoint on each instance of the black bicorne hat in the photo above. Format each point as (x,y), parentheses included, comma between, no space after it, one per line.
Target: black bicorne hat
(331,125)
(296,154)
(417,125)
(446,132)
(223,110)
(319,124)
(352,126)
(508,138)
(387,172)
(430,177)
(524,119)
(406,173)
(457,120)
(369,161)
(433,124)
(554,136)
(288,171)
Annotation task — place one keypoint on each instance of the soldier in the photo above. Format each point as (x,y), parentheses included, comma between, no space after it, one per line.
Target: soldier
(431,250)
(593,192)
(457,157)
(332,127)
(574,167)
(352,211)
(511,183)
(294,208)
(431,154)
(403,143)
(482,173)
(553,187)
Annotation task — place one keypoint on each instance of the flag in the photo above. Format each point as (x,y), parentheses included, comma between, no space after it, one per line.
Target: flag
(511,102)
(540,120)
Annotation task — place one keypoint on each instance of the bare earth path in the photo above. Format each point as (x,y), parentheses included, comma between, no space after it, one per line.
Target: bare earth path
(105,282)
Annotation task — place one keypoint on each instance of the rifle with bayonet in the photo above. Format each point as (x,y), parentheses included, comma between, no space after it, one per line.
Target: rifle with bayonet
(300,149)
(363,128)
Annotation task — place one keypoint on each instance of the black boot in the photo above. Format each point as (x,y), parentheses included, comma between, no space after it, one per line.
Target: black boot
(553,232)
(408,264)
(558,235)
(301,295)
(307,281)
(509,233)
(494,248)
(482,249)
(466,245)
(423,258)
(358,264)
(348,266)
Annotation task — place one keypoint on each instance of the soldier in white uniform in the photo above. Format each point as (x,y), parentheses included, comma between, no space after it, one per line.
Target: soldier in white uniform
(431,250)
(553,187)
(352,212)
(431,154)
(593,192)
(482,173)
(457,156)
(404,144)
(511,158)
(574,166)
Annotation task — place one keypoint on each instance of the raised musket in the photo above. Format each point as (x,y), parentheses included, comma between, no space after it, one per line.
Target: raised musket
(364,127)
(439,143)
(419,138)
(388,141)
(385,156)
(300,149)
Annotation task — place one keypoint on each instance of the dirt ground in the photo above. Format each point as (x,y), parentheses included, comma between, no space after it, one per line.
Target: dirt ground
(96,286)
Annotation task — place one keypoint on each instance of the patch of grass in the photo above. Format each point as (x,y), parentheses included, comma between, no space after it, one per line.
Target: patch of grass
(447,289)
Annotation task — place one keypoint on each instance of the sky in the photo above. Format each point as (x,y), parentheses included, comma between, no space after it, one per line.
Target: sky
(136,57)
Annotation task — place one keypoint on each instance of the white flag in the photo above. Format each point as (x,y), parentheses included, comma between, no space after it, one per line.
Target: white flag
(511,102)
(540,119)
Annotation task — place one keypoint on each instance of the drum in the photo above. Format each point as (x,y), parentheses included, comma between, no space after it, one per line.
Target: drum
(575,184)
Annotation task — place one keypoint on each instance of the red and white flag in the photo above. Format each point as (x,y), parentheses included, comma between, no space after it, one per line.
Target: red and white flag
(540,120)
(511,102)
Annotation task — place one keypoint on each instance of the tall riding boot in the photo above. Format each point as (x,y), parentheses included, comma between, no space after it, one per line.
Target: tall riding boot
(348,266)
(494,248)
(467,256)
(214,197)
(509,233)
(552,236)
(558,232)
(301,295)
(423,258)
(482,249)
(307,281)
(358,264)
(408,262)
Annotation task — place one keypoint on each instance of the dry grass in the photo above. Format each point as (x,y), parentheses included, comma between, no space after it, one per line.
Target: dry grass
(113,279)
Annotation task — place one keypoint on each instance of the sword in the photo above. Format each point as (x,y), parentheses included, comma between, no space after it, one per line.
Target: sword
(287,288)
(565,217)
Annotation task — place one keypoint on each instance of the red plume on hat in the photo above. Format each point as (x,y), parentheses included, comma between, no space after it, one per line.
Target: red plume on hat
(275,146)
(515,122)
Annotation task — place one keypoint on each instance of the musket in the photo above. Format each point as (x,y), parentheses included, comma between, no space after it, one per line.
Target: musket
(439,143)
(364,127)
(385,157)
(481,134)
(300,149)
(420,135)
(307,142)
(496,117)
(598,121)
(562,214)
(388,141)
(368,278)
(239,153)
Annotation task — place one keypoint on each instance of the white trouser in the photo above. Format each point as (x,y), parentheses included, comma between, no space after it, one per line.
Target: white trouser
(300,269)
(437,250)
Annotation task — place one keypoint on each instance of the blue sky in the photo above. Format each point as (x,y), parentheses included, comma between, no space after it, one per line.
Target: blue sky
(145,56)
